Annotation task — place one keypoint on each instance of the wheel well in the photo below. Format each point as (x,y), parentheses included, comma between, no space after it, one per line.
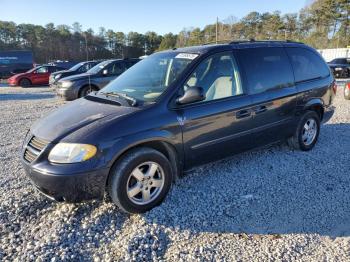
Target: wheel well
(23,79)
(166,149)
(318,109)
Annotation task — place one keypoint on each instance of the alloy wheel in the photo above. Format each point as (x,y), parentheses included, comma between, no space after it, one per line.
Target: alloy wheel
(309,131)
(145,183)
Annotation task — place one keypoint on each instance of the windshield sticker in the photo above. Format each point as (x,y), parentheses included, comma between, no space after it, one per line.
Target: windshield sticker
(186,56)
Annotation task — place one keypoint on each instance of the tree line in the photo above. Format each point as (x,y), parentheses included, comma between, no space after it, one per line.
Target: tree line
(322,24)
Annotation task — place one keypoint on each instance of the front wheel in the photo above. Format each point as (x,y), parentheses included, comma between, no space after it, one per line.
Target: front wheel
(308,130)
(86,90)
(140,180)
(24,82)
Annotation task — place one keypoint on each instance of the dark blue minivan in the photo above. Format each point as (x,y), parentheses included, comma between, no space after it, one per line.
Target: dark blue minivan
(175,110)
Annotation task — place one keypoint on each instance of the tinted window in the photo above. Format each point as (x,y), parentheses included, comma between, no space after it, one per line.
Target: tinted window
(266,68)
(218,76)
(130,63)
(116,69)
(307,65)
(84,67)
(54,69)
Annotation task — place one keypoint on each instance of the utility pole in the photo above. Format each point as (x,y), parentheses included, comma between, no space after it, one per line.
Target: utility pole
(86,47)
(216,35)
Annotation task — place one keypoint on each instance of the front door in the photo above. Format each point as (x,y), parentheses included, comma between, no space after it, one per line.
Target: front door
(217,126)
(41,76)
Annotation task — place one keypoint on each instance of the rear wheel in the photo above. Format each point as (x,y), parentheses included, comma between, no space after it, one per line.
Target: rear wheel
(24,82)
(140,180)
(307,132)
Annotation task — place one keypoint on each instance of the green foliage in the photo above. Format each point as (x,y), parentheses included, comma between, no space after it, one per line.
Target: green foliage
(322,24)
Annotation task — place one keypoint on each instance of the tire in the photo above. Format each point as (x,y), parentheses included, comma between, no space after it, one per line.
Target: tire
(130,174)
(86,90)
(347,92)
(24,82)
(306,141)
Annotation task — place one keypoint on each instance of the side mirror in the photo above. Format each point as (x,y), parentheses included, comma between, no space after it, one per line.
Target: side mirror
(192,94)
(105,72)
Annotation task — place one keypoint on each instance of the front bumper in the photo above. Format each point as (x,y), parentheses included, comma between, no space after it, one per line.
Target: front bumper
(75,187)
(340,73)
(12,82)
(67,94)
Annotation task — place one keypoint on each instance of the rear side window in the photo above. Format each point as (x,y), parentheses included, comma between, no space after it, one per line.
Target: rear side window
(266,68)
(307,65)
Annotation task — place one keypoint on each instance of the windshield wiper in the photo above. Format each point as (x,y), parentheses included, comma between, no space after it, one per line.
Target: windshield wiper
(132,101)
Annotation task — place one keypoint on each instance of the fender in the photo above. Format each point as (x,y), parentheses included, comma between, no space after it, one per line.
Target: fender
(314,103)
(171,142)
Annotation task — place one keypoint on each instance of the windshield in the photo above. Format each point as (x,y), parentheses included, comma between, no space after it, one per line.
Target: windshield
(149,78)
(76,67)
(97,68)
(33,69)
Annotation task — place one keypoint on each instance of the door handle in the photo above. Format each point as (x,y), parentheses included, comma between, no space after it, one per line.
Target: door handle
(243,113)
(260,109)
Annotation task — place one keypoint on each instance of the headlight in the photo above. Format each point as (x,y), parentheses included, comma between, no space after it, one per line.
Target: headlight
(71,153)
(57,76)
(66,84)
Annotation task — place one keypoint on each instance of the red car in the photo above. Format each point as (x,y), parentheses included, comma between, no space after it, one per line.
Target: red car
(36,76)
(347,90)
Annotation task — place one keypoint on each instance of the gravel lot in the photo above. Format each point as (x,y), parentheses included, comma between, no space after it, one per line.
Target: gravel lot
(268,204)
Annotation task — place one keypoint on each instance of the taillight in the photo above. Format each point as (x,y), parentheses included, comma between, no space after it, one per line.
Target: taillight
(334,87)
(347,85)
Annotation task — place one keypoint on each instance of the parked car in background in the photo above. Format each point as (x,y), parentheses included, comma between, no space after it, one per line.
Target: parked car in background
(73,87)
(75,70)
(36,76)
(173,111)
(14,62)
(340,67)
(347,90)
(63,64)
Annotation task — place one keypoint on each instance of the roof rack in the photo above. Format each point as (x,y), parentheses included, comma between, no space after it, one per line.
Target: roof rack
(226,41)
(252,40)
(263,41)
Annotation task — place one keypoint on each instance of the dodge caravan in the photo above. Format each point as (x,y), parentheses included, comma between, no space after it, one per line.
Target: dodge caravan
(173,111)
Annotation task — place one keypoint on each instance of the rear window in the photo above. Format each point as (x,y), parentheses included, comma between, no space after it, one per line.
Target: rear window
(307,65)
(266,68)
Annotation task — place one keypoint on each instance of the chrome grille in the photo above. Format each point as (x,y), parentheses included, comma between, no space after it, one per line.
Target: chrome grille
(34,147)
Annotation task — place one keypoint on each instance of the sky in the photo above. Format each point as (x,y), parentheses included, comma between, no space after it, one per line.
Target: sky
(161,16)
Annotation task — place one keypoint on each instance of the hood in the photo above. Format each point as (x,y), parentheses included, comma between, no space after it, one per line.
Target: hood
(74,116)
(78,77)
(19,75)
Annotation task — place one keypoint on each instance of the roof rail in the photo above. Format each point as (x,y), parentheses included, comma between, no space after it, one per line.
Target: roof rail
(263,41)
(252,40)
(226,41)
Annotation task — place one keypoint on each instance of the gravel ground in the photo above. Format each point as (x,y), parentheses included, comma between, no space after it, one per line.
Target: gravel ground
(268,204)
